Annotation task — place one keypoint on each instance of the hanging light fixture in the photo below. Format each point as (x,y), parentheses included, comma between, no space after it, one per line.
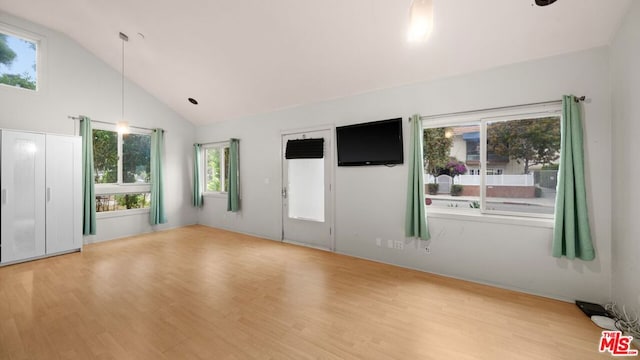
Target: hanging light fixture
(420,20)
(122,126)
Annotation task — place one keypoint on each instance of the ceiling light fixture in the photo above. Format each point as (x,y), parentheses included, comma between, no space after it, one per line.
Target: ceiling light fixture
(544,2)
(122,126)
(420,20)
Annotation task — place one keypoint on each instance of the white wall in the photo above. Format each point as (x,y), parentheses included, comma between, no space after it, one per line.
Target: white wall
(76,82)
(625,59)
(370,201)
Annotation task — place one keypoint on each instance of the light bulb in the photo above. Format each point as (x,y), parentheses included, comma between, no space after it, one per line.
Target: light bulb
(420,20)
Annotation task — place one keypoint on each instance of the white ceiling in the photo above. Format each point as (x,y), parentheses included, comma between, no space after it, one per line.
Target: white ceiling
(239,58)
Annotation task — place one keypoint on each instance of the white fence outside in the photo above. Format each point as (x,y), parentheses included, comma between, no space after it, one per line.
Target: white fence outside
(492,180)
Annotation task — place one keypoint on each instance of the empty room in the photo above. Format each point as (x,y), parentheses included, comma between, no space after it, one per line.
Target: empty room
(365,179)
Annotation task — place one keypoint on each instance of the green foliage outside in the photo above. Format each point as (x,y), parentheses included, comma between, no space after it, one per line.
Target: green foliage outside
(214,168)
(105,156)
(7,56)
(437,149)
(529,142)
(456,190)
(136,158)
(132,201)
(21,81)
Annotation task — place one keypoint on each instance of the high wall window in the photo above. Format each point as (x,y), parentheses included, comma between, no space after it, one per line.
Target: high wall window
(518,148)
(18,60)
(122,169)
(216,166)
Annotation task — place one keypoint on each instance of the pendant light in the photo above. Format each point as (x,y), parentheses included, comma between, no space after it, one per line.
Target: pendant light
(420,20)
(122,126)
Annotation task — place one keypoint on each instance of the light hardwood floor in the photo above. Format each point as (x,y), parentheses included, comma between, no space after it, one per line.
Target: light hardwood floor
(202,293)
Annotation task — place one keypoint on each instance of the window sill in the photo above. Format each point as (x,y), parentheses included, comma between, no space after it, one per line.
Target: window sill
(215,195)
(489,218)
(108,189)
(121,213)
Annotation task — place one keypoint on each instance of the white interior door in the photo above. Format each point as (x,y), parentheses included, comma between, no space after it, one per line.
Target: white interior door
(23,196)
(64,193)
(307,198)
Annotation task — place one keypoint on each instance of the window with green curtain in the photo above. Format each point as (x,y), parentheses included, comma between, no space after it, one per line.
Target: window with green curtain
(572,234)
(233,198)
(88,188)
(416,215)
(157,214)
(197,176)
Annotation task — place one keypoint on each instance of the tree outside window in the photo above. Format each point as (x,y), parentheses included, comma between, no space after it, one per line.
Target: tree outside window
(122,166)
(521,154)
(18,62)
(217,168)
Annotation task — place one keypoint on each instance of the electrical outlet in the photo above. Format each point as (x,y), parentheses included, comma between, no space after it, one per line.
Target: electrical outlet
(378,242)
(398,244)
(428,249)
(390,244)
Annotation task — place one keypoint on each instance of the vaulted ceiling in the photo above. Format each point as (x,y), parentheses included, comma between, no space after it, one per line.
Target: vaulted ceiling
(245,57)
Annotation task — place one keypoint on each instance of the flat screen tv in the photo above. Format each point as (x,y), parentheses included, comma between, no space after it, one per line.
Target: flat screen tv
(372,143)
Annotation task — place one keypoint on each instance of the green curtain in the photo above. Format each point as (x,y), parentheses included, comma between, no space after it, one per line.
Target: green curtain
(416,215)
(197,173)
(157,215)
(88,187)
(233,198)
(571,234)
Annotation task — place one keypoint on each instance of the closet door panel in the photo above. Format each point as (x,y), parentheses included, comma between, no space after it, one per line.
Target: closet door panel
(63,193)
(23,193)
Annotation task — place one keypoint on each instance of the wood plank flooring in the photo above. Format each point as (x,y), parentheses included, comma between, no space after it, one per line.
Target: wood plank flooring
(203,293)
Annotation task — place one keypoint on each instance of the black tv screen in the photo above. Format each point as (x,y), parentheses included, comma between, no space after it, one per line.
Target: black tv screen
(372,143)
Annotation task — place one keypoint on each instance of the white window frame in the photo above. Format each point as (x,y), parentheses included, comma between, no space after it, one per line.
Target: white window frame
(41,54)
(482,118)
(119,187)
(203,157)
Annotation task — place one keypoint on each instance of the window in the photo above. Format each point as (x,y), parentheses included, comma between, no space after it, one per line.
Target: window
(18,60)
(518,147)
(136,158)
(216,158)
(122,169)
(115,202)
(121,158)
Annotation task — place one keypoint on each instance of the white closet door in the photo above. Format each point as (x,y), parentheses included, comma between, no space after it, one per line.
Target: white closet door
(23,193)
(64,193)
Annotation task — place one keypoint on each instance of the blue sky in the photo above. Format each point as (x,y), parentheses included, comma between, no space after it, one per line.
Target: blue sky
(25,58)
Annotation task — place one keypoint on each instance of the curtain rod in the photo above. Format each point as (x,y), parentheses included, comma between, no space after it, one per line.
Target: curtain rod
(110,123)
(216,142)
(578,99)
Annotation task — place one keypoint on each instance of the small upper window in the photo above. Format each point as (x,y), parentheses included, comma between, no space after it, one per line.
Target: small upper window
(18,61)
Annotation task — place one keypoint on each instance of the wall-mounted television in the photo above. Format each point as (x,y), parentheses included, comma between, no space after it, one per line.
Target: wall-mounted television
(372,143)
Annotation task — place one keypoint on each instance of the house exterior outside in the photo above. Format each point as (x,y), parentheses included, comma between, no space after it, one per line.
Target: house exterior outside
(505,177)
